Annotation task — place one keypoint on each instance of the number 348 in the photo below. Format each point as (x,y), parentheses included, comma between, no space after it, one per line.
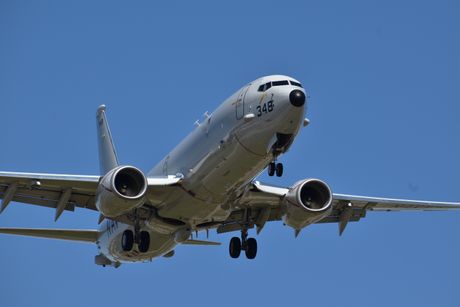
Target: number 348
(265,108)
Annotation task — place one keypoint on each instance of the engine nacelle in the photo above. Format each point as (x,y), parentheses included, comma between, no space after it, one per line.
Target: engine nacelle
(120,191)
(307,202)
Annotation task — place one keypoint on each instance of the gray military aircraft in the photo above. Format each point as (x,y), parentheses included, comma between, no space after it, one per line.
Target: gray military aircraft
(206,182)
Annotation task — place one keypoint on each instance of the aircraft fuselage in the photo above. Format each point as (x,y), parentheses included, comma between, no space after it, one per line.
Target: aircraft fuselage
(224,152)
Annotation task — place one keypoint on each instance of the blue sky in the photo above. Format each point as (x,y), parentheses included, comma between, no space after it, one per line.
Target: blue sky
(383,79)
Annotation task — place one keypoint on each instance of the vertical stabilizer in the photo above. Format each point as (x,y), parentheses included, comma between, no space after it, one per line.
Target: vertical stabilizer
(108,159)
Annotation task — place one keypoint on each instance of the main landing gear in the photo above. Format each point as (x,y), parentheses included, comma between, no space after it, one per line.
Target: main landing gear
(275,168)
(249,245)
(141,238)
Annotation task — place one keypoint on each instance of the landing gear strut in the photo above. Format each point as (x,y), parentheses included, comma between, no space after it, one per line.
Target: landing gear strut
(141,238)
(275,168)
(249,245)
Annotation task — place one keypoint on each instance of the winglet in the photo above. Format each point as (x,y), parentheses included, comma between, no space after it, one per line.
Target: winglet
(108,159)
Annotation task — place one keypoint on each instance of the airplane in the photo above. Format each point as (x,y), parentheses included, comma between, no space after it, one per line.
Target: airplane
(206,182)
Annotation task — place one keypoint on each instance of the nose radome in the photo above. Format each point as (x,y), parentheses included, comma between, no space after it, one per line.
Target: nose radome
(297,98)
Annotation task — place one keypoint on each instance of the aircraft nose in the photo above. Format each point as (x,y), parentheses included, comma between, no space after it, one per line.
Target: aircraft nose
(297,98)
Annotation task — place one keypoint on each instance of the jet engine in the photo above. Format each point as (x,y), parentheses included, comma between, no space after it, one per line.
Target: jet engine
(120,191)
(307,202)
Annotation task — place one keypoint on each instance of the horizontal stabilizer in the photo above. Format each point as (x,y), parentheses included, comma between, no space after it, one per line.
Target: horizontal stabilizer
(200,242)
(90,236)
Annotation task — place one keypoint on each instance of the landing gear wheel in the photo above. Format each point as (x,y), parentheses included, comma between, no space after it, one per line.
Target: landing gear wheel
(271,169)
(279,169)
(144,241)
(127,240)
(251,248)
(235,247)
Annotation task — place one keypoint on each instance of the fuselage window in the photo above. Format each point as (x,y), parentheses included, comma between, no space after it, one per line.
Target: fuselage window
(296,83)
(280,83)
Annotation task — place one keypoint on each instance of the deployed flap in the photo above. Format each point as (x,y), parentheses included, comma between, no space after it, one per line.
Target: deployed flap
(90,236)
(49,190)
(108,159)
(258,197)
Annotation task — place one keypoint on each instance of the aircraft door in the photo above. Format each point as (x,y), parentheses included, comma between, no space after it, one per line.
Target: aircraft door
(240,102)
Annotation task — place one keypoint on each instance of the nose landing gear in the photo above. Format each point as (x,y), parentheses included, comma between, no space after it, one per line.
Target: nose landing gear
(249,245)
(275,168)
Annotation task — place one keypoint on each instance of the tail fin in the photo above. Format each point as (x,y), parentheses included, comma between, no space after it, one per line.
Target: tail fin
(90,236)
(108,159)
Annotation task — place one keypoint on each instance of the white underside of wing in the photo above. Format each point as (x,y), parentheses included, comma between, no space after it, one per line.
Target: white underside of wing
(42,176)
(390,204)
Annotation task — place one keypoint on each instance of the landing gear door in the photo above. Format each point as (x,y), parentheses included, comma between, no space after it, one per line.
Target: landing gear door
(240,102)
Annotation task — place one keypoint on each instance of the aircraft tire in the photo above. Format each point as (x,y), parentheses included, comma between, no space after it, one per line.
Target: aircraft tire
(127,240)
(144,241)
(235,247)
(279,169)
(271,169)
(251,248)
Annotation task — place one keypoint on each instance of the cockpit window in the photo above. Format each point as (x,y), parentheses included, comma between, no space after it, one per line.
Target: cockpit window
(279,83)
(268,85)
(296,83)
(264,87)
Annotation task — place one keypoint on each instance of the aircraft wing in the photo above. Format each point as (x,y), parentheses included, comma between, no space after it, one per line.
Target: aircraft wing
(90,236)
(264,204)
(61,192)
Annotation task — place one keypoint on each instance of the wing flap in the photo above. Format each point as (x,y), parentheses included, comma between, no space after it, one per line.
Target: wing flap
(90,236)
(47,190)
(48,197)
(345,208)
